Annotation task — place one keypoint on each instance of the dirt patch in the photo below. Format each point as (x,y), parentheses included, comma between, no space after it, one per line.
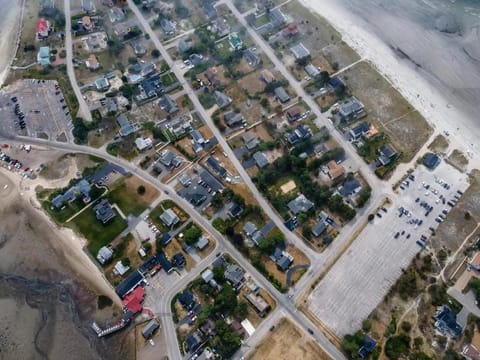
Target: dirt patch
(388,110)
(288,186)
(252,83)
(458,160)
(151,193)
(287,342)
(439,145)
(174,247)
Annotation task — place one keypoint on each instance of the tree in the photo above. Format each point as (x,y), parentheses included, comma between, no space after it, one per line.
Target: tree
(226,300)
(219,274)
(155,53)
(406,326)
(398,347)
(240,311)
(141,190)
(269,244)
(217,200)
(126,261)
(191,235)
(467,216)
(367,325)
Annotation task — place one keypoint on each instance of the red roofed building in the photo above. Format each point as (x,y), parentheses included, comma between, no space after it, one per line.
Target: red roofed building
(133,301)
(290,30)
(42,28)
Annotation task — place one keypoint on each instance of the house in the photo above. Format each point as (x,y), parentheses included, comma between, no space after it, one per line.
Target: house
(185,180)
(335,170)
(232,119)
(474,263)
(201,243)
(129,284)
(193,342)
(187,300)
(234,41)
(102,84)
(267,76)
(251,141)
(221,99)
(387,153)
(319,228)
(148,69)
(169,27)
(263,5)
(149,329)
(208,328)
(431,160)
(367,347)
(143,143)
(80,188)
(126,126)
(299,51)
(220,27)
(281,94)
(234,275)
(104,255)
(183,46)
(216,167)
(121,29)
(294,114)
(470,352)
(168,104)
(42,28)
(358,131)
(282,258)
(312,71)
(166,158)
(92,62)
(350,187)
(351,110)
(251,58)
(290,30)
(104,211)
(277,17)
(211,76)
(120,269)
(87,23)
(151,87)
(138,48)
(196,59)
(88,6)
(162,259)
(43,56)
(446,322)
(169,218)
(178,260)
(197,137)
(258,303)
(301,133)
(249,228)
(207,275)
(235,210)
(116,14)
(178,127)
(260,159)
(300,205)
(337,85)
(209,10)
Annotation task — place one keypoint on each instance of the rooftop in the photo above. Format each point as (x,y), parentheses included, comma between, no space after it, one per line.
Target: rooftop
(300,205)
(300,51)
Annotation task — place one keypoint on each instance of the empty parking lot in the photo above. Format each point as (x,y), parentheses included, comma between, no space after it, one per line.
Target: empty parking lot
(366,271)
(43,106)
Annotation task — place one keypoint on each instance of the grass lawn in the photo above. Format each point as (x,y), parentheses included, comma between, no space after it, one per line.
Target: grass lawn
(164,205)
(61,216)
(168,79)
(125,195)
(94,231)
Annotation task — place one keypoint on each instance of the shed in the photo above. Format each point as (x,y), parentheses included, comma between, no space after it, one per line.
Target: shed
(150,328)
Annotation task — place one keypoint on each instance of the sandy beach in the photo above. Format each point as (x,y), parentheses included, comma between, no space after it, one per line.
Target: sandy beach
(10,18)
(413,82)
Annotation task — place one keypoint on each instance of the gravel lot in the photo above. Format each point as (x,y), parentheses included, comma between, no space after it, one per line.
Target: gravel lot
(364,274)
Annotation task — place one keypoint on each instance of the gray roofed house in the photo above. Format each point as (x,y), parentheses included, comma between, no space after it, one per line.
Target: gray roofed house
(234,274)
(257,237)
(351,109)
(209,10)
(80,188)
(207,275)
(184,45)
(319,228)
(197,137)
(201,243)
(150,328)
(87,6)
(220,26)
(300,205)
(102,84)
(299,51)
(187,299)
(277,17)
(350,187)
(215,166)
(251,57)
(185,180)
(233,118)
(251,140)
(126,126)
(249,228)
(281,258)
(281,94)
(104,211)
(151,87)
(169,218)
(312,70)
(209,328)
(387,153)
(194,341)
(221,99)
(169,27)
(116,14)
(359,130)
(104,255)
(235,210)
(302,132)
(260,159)
(139,48)
(168,104)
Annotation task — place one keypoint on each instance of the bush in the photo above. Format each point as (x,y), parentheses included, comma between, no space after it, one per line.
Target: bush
(141,190)
(156,53)
(398,347)
(406,326)
(104,301)
(367,325)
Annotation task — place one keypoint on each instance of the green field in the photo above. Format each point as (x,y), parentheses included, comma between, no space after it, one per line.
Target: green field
(127,199)
(94,231)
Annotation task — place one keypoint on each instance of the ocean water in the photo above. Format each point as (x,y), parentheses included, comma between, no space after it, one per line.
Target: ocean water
(441,38)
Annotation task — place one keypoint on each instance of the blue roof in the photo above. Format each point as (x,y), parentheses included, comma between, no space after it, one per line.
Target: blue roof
(164,262)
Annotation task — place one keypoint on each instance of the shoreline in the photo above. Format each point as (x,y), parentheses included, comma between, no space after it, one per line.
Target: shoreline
(10,42)
(417,89)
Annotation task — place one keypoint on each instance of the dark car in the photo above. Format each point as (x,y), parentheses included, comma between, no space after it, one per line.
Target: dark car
(310,331)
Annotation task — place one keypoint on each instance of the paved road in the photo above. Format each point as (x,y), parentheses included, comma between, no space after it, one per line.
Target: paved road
(264,204)
(83,110)
(282,300)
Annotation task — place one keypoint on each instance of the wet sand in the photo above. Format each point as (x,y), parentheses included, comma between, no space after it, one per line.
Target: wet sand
(10,18)
(48,293)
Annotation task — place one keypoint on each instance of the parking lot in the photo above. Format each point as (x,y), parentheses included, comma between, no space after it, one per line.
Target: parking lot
(364,274)
(35,108)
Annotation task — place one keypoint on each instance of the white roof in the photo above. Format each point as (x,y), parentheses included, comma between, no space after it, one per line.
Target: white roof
(143,143)
(247,325)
